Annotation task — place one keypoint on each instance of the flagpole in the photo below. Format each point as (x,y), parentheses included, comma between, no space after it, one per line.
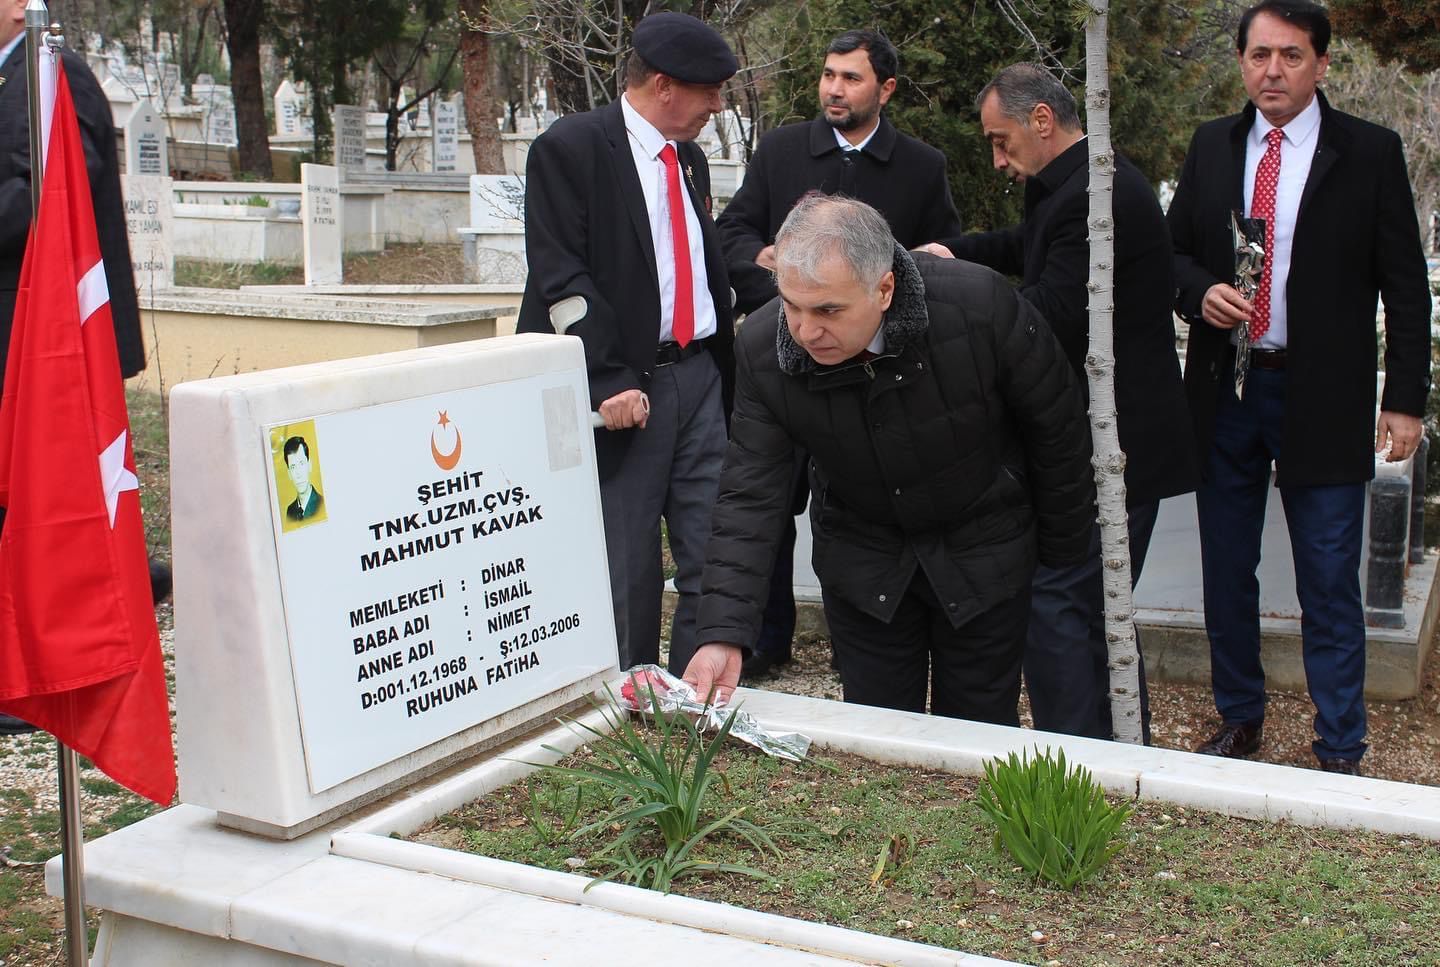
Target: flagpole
(72,831)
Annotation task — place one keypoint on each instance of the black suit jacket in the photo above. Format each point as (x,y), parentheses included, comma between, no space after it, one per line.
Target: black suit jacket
(587,235)
(1355,238)
(904,179)
(1051,252)
(97,133)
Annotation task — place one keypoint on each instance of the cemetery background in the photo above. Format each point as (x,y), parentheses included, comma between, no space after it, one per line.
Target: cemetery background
(933,103)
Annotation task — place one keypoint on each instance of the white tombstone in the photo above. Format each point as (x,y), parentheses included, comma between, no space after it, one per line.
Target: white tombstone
(218,105)
(349,124)
(321,231)
(446,134)
(497,202)
(145,149)
(445,584)
(290,114)
(150,223)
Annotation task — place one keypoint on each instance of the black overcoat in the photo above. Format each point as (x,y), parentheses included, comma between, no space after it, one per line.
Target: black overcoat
(1050,252)
(902,178)
(1356,237)
(97,133)
(587,234)
(962,450)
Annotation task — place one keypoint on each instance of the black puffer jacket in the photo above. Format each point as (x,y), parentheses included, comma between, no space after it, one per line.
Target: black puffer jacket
(961,450)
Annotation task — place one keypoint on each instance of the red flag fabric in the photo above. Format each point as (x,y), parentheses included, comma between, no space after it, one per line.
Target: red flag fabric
(79,649)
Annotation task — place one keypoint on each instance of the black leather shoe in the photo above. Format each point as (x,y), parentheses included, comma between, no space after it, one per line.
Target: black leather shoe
(10,725)
(160,581)
(1344,767)
(761,665)
(1234,741)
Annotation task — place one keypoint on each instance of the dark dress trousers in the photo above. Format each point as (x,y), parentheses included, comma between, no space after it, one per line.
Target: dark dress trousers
(1066,658)
(901,177)
(1355,238)
(593,274)
(97,133)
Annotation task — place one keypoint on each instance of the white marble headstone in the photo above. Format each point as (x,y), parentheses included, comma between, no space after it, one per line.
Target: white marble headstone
(497,202)
(145,150)
(446,134)
(322,232)
(349,123)
(446,583)
(218,105)
(290,114)
(150,223)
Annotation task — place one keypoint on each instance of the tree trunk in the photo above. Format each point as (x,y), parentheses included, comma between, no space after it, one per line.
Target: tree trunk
(481,105)
(1109,459)
(242,40)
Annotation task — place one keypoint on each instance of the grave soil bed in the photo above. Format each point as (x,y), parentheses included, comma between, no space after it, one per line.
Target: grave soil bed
(907,853)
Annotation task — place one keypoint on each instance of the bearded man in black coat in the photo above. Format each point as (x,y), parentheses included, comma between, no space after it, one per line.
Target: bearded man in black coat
(1035,136)
(949,451)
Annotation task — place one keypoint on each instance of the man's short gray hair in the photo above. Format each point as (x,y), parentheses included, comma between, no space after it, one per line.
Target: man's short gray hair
(822,226)
(1022,86)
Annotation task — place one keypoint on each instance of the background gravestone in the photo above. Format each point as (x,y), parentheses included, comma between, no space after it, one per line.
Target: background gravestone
(349,124)
(446,132)
(145,149)
(290,110)
(320,224)
(150,223)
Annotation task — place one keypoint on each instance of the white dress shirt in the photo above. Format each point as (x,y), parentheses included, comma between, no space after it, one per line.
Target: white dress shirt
(845,145)
(1297,150)
(646,143)
(10,47)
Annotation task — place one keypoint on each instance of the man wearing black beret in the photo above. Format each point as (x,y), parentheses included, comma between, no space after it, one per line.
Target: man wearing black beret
(622,253)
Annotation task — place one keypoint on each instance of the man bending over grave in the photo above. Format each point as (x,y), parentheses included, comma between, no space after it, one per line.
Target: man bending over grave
(949,452)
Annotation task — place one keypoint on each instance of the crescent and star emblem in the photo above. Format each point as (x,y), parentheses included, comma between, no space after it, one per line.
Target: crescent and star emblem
(445,461)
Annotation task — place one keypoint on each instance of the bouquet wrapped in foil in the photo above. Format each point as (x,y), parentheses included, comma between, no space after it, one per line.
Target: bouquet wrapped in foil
(1249,237)
(650,687)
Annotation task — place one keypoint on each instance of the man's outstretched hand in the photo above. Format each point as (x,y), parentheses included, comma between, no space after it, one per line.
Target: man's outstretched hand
(715,667)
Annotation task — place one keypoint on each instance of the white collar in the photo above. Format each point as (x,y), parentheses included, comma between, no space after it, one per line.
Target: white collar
(10,47)
(847,146)
(1298,130)
(648,136)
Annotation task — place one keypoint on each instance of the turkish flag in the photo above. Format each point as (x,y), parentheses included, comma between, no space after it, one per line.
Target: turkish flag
(79,649)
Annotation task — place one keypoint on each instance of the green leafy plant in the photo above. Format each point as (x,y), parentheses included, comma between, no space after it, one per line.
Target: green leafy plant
(563,803)
(1053,820)
(658,784)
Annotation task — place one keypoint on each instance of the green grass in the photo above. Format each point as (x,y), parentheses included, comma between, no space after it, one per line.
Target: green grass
(151,441)
(232,275)
(908,853)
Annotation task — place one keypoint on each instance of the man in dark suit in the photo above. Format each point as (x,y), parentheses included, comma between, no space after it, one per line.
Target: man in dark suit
(1035,136)
(97,131)
(623,254)
(1341,230)
(850,149)
(308,502)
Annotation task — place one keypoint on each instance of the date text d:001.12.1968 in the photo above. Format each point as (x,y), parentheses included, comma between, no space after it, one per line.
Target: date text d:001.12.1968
(538,633)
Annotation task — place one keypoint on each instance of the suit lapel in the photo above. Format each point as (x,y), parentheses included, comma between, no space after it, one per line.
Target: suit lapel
(14,65)
(631,194)
(1238,135)
(1331,140)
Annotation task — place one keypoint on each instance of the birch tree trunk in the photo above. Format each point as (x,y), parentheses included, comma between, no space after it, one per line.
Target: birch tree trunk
(1109,459)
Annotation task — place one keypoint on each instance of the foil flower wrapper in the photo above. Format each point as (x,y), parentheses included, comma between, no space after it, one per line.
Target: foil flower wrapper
(647,687)
(1248,235)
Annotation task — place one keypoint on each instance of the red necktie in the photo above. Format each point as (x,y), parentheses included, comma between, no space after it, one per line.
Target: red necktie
(1262,205)
(683,321)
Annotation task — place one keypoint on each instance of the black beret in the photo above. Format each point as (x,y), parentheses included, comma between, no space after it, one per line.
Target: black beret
(685,48)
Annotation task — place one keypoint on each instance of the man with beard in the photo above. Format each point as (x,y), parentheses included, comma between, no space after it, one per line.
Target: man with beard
(850,149)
